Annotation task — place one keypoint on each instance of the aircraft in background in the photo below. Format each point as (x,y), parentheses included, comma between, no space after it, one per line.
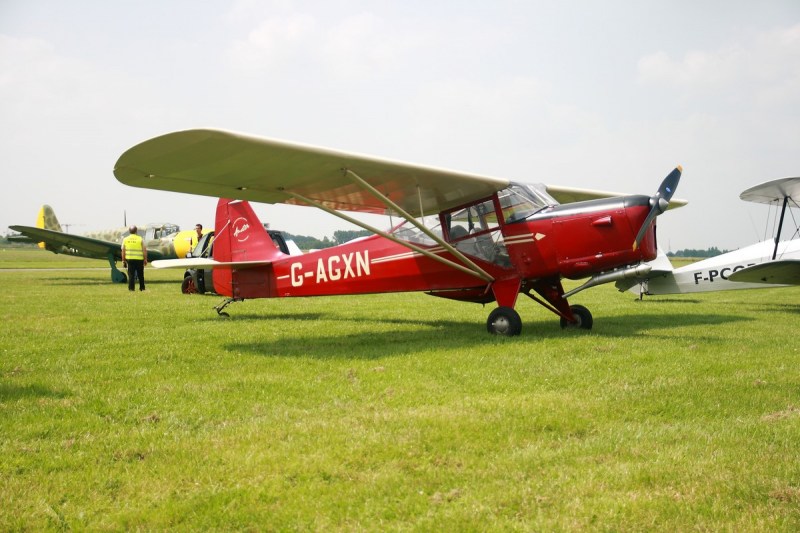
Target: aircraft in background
(464,237)
(164,241)
(770,263)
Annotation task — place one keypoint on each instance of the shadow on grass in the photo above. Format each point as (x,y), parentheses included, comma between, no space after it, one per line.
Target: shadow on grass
(10,393)
(657,300)
(783,308)
(82,282)
(369,341)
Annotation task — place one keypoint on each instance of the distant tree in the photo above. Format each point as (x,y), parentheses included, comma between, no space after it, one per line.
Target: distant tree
(304,242)
(342,236)
(689,252)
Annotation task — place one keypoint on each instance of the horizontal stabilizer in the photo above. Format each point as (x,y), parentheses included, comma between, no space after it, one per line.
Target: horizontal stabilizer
(202,262)
(780,272)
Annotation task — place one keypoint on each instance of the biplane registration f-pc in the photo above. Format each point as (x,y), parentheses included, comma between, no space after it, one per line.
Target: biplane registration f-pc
(464,237)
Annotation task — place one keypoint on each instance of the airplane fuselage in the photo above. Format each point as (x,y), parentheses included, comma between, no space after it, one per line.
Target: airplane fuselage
(572,241)
(712,274)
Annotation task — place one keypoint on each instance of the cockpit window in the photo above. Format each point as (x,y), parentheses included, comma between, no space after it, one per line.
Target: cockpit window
(520,201)
(475,218)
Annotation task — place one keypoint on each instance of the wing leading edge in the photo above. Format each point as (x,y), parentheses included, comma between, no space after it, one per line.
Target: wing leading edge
(231,165)
(225,164)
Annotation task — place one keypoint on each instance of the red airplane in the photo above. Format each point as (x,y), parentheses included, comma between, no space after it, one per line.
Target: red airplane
(463,237)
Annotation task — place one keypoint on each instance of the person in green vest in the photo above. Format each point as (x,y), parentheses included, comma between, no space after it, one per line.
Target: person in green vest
(134,258)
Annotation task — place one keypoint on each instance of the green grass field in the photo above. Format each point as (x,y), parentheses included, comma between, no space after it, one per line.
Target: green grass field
(147,411)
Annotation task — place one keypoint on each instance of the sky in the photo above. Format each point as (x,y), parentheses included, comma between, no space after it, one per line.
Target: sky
(607,95)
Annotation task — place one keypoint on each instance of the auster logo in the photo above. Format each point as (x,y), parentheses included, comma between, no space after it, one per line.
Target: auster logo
(241,226)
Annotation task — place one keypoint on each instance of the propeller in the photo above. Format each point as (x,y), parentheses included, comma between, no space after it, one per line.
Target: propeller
(659,202)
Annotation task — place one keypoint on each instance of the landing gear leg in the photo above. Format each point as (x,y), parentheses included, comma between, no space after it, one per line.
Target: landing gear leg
(572,316)
(228,301)
(117,276)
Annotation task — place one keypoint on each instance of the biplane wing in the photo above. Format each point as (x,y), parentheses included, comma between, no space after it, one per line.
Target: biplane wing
(773,191)
(778,272)
(231,165)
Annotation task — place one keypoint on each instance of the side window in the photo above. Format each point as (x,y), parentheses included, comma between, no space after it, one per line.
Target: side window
(476,218)
(475,230)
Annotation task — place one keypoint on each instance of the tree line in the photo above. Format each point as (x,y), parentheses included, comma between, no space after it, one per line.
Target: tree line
(691,252)
(304,242)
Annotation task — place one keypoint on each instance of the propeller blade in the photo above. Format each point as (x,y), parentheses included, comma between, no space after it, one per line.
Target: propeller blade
(669,184)
(659,202)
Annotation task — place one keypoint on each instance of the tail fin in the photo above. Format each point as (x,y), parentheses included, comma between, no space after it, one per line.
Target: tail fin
(46,219)
(240,236)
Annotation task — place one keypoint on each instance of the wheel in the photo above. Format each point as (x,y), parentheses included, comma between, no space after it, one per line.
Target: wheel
(504,321)
(188,286)
(582,315)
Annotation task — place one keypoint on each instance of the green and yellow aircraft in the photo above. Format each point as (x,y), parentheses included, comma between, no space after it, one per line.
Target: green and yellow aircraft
(163,241)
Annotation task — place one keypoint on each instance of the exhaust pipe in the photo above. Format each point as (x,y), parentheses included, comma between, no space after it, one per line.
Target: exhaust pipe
(640,270)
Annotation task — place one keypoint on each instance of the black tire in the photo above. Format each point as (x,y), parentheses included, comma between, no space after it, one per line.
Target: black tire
(504,321)
(188,286)
(583,316)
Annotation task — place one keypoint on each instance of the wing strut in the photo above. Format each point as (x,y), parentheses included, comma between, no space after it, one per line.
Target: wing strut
(780,227)
(391,205)
(478,272)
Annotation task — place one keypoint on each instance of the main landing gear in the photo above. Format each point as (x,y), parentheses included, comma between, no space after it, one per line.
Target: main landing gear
(117,276)
(583,318)
(504,321)
(507,322)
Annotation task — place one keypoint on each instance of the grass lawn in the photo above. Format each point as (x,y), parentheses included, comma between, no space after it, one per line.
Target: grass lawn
(147,411)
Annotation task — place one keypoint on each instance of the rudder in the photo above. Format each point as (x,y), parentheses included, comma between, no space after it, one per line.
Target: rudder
(241,237)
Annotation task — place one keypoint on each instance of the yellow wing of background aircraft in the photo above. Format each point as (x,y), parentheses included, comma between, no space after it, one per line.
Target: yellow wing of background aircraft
(164,241)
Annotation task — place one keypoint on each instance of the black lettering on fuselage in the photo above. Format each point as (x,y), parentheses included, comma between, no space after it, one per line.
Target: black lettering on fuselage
(711,274)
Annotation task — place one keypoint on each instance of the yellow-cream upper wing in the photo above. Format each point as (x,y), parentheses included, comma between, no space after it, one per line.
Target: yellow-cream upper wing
(231,165)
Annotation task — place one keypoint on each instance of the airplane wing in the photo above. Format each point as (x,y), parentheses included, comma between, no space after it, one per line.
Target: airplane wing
(82,246)
(779,272)
(203,262)
(566,195)
(773,191)
(231,165)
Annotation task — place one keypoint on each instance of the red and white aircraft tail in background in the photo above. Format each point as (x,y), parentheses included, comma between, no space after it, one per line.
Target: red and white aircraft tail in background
(464,237)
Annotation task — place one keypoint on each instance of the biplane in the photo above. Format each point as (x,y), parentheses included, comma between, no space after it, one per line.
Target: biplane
(774,262)
(459,236)
(163,241)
